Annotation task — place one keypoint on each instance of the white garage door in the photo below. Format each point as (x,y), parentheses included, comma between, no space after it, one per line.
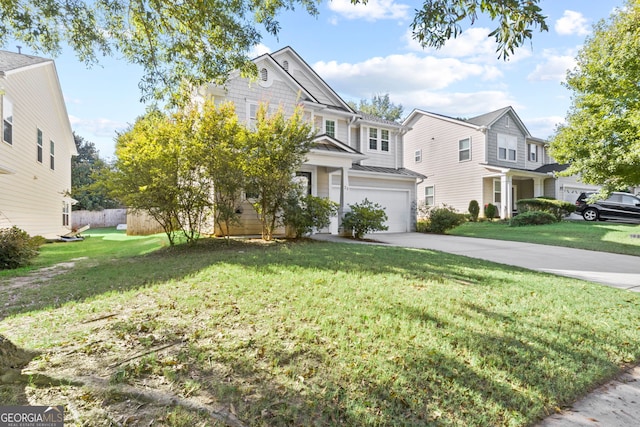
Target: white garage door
(395,203)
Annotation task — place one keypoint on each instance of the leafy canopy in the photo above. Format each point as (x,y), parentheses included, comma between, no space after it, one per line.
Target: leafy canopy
(379,106)
(601,137)
(181,44)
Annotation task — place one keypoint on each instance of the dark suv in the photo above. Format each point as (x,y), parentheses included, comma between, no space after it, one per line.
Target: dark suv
(622,206)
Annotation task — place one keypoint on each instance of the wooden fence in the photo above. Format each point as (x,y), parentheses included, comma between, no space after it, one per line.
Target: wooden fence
(98,219)
(142,224)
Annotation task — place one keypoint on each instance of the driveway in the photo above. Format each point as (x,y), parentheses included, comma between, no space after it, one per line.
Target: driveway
(620,271)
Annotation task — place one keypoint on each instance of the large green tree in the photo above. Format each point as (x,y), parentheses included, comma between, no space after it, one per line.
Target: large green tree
(379,106)
(222,141)
(158,171)
(601,137)
(86,186)
(276,149)
(191,42)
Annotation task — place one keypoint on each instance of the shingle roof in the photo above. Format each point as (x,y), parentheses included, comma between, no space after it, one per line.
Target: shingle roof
(391,171)
(488,118)
(12,61)
(552,167)
(376,119)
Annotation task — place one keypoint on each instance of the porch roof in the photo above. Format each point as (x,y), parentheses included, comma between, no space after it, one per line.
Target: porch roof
(518,172)
(390,171)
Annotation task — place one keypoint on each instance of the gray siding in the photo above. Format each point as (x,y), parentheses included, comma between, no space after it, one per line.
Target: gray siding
(500,127)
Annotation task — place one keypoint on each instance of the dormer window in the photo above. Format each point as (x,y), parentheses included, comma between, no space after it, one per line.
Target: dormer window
(264,74)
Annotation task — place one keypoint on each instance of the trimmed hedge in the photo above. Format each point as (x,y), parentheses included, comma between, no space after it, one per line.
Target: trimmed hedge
(532,218)
(440,219)
(557,208)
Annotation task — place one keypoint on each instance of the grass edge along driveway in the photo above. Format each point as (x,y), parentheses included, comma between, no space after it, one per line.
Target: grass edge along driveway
(312,333)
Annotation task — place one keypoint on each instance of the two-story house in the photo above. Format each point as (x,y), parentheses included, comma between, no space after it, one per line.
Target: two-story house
(35,148)
(491,158)
(355,156)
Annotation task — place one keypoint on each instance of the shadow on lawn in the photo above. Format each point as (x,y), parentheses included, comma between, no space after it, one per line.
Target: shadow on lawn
(513,367)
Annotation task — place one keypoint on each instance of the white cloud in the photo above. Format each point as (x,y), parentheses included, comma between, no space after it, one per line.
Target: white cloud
(374,9)
(397,73)
(554,67)
(472,44)
(543,127)
(456,104)
(98,127)
(259,49)
(572,24)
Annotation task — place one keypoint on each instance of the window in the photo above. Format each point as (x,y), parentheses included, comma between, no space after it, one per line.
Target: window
(7,120)
(65,214)
(252,114)
(464,149)
(285,65)
(384,140)
(373,139)
(52,163)
(39,147)
(264,74)
(497,191)
(429,195)
(533,153)
(418,156)
(330,128)
(507,148)
(304,180)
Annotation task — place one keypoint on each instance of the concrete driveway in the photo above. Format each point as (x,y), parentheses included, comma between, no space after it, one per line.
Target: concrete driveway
(620,271)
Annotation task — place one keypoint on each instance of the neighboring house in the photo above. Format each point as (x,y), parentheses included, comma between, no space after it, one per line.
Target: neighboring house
(355,156)
(36,147)
(490,158)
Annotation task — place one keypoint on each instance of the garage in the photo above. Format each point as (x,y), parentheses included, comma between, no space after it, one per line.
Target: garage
(395,203)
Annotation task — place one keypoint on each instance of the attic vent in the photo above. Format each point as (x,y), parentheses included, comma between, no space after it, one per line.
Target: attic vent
(264,74)
(285,65)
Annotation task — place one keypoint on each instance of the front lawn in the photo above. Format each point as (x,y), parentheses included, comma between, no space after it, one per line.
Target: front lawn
(309,333)
(598,236)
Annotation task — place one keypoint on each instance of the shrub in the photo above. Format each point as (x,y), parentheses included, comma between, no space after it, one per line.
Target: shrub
(474,210)
(364,218)
(303,214)
(490,211)
(440,219)
(557,208)
(17,248)
(532,218)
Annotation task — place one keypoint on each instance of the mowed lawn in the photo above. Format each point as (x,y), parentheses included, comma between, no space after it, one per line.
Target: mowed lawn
(307,333)
(603,236)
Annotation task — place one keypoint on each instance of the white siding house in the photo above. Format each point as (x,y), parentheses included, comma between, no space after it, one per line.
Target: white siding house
(35,148)
(356,156)
(490,158)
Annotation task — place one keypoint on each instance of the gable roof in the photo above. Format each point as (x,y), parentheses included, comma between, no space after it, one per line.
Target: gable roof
(271,60)
(417,112)
(315,76)
(10,61)
(489,119)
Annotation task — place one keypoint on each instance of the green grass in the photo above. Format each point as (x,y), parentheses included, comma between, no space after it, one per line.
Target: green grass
(598,236)
(313,333)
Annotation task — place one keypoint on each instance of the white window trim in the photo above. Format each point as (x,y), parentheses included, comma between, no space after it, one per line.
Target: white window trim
(335,126)
(379,140)
(251,121)
(52,155)
(536,152)
(432,196)
(39,146)
(508,146)
(467,149)
(7,105)
(418,156)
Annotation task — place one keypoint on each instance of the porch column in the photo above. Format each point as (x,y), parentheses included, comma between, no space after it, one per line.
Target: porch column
(507,202)
(344,187)
(538,187)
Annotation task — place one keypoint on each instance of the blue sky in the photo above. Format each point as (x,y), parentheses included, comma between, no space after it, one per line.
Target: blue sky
(365,50)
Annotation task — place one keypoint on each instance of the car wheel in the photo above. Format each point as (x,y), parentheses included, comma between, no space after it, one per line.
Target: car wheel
(590,214)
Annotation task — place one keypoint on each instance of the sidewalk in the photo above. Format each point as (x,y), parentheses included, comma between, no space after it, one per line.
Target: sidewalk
(615,404)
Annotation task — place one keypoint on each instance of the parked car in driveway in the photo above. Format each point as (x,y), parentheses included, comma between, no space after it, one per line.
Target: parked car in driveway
(620,206)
